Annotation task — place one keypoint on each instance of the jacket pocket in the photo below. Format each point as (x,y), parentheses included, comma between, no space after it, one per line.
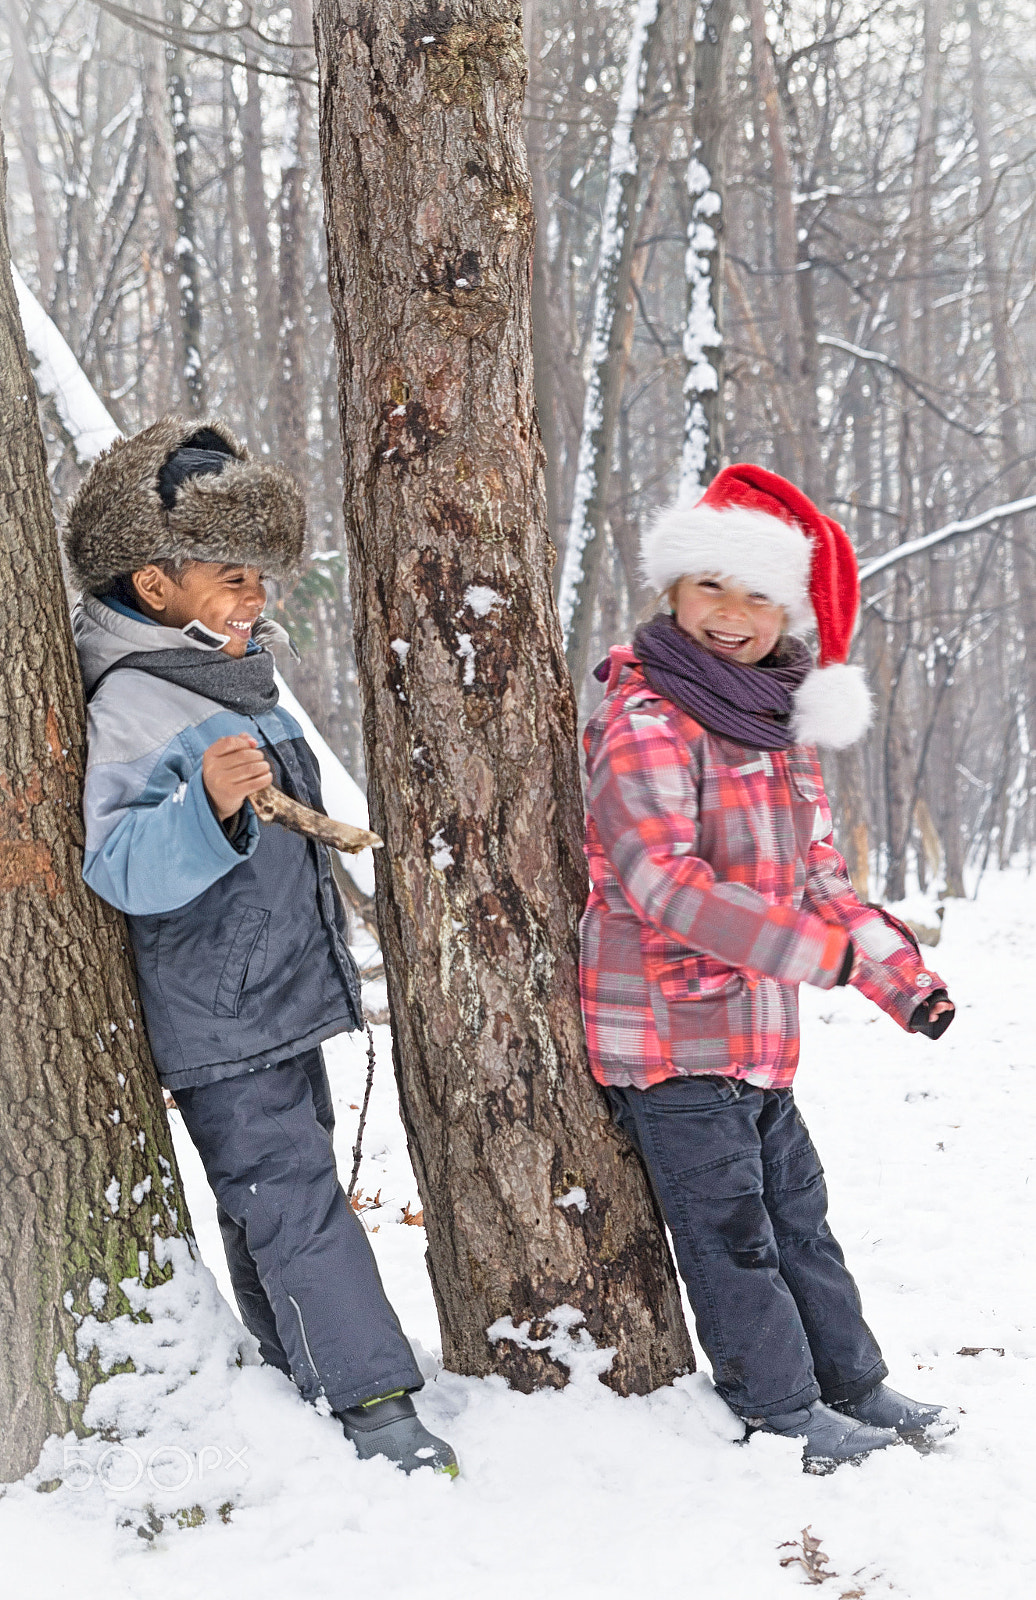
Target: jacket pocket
(697,978)
(246,959)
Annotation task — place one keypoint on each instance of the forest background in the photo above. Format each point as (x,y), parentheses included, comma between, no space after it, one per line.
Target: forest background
(863,229)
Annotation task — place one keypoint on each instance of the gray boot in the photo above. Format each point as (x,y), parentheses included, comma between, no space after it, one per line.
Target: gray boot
(830,1437)
(884,1408)
(390,1427)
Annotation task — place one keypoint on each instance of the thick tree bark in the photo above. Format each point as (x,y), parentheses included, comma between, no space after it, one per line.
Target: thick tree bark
(531,1201)
(88,1172)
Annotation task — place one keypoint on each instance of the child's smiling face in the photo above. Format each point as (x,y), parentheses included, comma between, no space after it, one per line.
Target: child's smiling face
(728,620)
(225,598)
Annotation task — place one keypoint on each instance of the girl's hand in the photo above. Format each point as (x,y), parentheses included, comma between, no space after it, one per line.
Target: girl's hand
(932,1017)
(231,770)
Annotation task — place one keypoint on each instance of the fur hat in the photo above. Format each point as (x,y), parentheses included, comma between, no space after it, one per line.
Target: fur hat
(250,513)
(758,529)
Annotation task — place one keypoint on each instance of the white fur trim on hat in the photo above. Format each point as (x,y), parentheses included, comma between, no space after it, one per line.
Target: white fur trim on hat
(751,547)
(833,707)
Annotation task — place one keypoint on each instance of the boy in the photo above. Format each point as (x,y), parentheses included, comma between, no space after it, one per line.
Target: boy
(238,933)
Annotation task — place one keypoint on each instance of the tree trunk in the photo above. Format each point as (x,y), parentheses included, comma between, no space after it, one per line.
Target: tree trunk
(797,357)
(469,718)
(543,317)
(23,82)
(585,537)
(702,454)
(290,357)
(1015,463)
(188,276)
(258,222)
(89,1179)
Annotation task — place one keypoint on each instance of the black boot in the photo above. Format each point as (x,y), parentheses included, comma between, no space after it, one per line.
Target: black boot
(884,1408)
(389,1426)
(830,1438)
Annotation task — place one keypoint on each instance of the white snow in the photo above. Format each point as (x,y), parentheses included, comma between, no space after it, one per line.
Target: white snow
(700,332)
(575,1197)
(112,1193)
(466,651)
(480,599)
(343,797)
(401,648)
(89,424)
(66,1378)
(578,1494)
(442,855)
(952,530)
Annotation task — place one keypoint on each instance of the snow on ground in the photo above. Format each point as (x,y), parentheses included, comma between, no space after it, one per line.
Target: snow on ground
(929,1154)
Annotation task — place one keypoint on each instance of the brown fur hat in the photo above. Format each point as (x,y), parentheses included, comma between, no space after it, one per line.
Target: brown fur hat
(252,513)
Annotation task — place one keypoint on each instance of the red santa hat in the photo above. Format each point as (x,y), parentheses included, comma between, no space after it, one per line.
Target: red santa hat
(758,529)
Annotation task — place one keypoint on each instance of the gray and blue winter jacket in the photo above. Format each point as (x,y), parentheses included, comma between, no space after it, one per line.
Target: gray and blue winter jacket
(240,942)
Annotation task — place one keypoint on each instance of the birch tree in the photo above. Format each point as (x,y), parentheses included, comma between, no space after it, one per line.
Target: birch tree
(537,1214)
(585,536)
(702,451)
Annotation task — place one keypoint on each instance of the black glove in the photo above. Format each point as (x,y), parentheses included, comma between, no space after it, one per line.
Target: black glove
(921,1020)
(848,961)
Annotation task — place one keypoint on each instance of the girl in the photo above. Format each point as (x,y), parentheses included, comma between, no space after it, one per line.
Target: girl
(716,891)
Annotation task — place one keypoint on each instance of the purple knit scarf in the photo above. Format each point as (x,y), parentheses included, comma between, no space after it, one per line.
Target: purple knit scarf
(750,705)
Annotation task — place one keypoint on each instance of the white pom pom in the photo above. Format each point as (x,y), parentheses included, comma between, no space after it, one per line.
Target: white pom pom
(832,708)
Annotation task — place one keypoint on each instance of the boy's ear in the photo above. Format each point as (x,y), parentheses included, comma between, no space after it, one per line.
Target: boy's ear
(152,587)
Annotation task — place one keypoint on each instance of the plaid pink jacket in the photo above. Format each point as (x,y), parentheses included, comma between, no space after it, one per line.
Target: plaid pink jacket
(715,892)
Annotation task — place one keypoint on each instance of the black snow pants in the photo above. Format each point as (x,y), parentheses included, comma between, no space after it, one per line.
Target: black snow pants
(303,1271)
(742,1189)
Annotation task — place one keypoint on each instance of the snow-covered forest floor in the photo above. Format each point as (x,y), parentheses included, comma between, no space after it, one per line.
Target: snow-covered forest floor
(929,1154)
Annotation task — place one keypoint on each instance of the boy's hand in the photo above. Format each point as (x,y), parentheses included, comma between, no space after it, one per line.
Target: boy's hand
(231,770)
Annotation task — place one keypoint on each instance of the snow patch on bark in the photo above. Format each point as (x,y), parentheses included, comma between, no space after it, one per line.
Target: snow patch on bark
(66,1379)
(569,1345)
(442,855)
(480,599)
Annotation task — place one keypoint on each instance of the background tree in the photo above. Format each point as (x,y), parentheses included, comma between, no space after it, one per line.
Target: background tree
(530,1200)
(89,1178)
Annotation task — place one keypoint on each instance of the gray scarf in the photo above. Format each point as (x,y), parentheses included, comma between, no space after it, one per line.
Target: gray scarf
(244,684)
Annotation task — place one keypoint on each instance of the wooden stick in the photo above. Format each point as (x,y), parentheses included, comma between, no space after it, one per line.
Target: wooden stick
(270,805)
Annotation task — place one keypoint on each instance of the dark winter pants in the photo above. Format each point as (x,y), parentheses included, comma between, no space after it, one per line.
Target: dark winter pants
(743,1192)
(303,1271)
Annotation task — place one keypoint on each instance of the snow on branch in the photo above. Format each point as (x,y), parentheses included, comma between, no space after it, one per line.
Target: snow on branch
(86,419)
(952,530)
(622,161)
(700,331)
